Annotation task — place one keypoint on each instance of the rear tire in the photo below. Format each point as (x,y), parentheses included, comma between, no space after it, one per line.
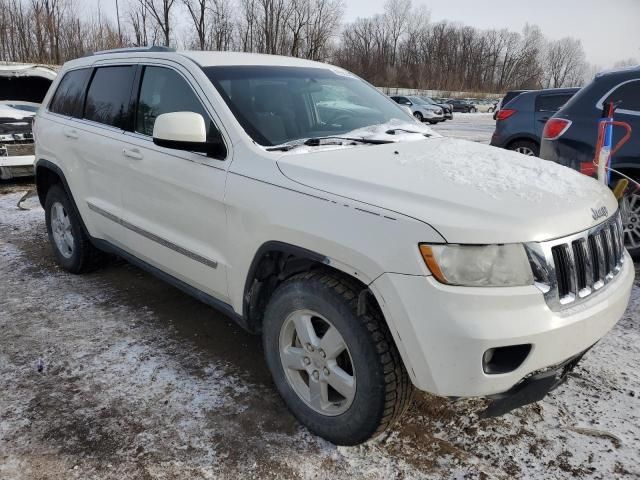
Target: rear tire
(379,389)
(525,147)
(71,245)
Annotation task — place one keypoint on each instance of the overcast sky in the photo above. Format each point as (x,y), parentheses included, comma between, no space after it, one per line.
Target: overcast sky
(609,29)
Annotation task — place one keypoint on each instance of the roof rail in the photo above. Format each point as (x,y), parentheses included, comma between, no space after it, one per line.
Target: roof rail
(151,48)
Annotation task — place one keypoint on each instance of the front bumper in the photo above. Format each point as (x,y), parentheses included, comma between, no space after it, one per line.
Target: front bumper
(16,166)
(443,331)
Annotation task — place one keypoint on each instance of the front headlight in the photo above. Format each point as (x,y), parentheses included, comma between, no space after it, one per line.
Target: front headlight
(479,265)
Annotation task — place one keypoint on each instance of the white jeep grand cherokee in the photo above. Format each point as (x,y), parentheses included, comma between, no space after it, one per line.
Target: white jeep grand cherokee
(372,254)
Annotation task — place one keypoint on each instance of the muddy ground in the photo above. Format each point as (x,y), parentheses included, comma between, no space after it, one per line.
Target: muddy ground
(117,375)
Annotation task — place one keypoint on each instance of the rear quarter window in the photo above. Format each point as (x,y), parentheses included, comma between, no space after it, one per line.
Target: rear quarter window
(551,103)
(69,96)
(628,96)
(109,95)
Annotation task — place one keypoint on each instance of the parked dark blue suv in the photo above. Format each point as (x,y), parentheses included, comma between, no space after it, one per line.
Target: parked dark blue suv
(570,138)
(520,122)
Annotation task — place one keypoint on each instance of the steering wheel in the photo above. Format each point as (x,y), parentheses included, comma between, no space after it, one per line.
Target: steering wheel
(340,119)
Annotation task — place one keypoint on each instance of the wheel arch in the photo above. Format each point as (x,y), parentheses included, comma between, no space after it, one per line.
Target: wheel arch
(273,263)
(48,174)
(521,138)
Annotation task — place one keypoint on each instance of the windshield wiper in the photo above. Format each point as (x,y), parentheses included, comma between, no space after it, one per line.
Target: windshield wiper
(317,141)
(393,131)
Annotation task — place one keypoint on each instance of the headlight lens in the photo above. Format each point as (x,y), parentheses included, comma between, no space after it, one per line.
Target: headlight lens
(479,265)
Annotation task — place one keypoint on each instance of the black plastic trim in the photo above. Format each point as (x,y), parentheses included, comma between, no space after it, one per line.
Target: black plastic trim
(42,163)
(532,389)
(109,247)
(281,247)
(179,284)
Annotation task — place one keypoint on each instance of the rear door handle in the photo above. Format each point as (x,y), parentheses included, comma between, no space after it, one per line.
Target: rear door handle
(132,153)
(70,133)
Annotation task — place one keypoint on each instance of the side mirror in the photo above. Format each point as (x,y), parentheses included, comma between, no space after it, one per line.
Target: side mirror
(185,131)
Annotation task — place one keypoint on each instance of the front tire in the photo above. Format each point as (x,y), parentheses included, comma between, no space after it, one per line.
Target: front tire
(71,245)
(338,372)
(418,116)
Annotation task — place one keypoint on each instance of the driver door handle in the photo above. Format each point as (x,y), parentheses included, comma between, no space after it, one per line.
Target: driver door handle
(70,133)
(132,153)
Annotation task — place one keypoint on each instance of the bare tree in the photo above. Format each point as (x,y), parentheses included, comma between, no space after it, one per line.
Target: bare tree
(160,11)
(564,63)
(198,13)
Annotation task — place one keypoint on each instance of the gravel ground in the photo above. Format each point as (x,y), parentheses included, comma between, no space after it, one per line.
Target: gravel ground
(117,375)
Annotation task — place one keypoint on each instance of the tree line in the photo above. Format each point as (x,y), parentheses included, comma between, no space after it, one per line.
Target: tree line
(399,47)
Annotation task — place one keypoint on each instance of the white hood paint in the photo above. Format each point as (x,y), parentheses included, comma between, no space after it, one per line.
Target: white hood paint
(470,193)
(27,70)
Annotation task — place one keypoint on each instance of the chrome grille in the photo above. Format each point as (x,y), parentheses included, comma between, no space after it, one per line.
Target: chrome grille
(570,269)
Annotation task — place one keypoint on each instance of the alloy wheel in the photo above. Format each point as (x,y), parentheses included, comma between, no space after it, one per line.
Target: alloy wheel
(630,209)
(61,230)
(525,151)
(317,362)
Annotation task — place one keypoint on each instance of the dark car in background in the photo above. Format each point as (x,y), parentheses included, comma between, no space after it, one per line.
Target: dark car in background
(570,137)
(510,95)
(447,110)
(520,122)
(463,106)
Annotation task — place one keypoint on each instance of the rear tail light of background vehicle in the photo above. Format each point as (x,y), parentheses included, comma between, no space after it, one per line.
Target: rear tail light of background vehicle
(555,128)
(505,113)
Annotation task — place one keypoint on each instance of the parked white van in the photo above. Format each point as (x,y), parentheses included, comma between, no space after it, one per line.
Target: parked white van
(371,254)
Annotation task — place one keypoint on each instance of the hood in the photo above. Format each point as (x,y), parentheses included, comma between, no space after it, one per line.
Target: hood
(469,192)
(25,83)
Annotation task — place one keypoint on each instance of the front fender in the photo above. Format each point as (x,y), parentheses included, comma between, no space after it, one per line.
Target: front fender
(360,240)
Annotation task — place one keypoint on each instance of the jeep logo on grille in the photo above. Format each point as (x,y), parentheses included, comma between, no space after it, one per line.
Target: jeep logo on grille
(597,213)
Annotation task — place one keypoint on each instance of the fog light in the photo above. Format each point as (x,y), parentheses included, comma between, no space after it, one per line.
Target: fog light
(504,359)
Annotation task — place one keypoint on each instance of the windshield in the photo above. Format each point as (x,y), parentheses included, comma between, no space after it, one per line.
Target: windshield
(276,104)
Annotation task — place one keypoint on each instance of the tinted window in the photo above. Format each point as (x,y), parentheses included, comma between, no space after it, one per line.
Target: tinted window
(551,103)
(70,93)
(164,91)
(108,96)
(628,95)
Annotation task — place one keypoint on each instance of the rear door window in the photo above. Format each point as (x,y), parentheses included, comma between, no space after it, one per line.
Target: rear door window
(69,95)
(109,95)
(628,94)
(551,103)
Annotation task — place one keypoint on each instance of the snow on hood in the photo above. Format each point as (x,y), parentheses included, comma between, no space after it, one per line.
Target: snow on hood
(375,132)
(378,132)
(470,193)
